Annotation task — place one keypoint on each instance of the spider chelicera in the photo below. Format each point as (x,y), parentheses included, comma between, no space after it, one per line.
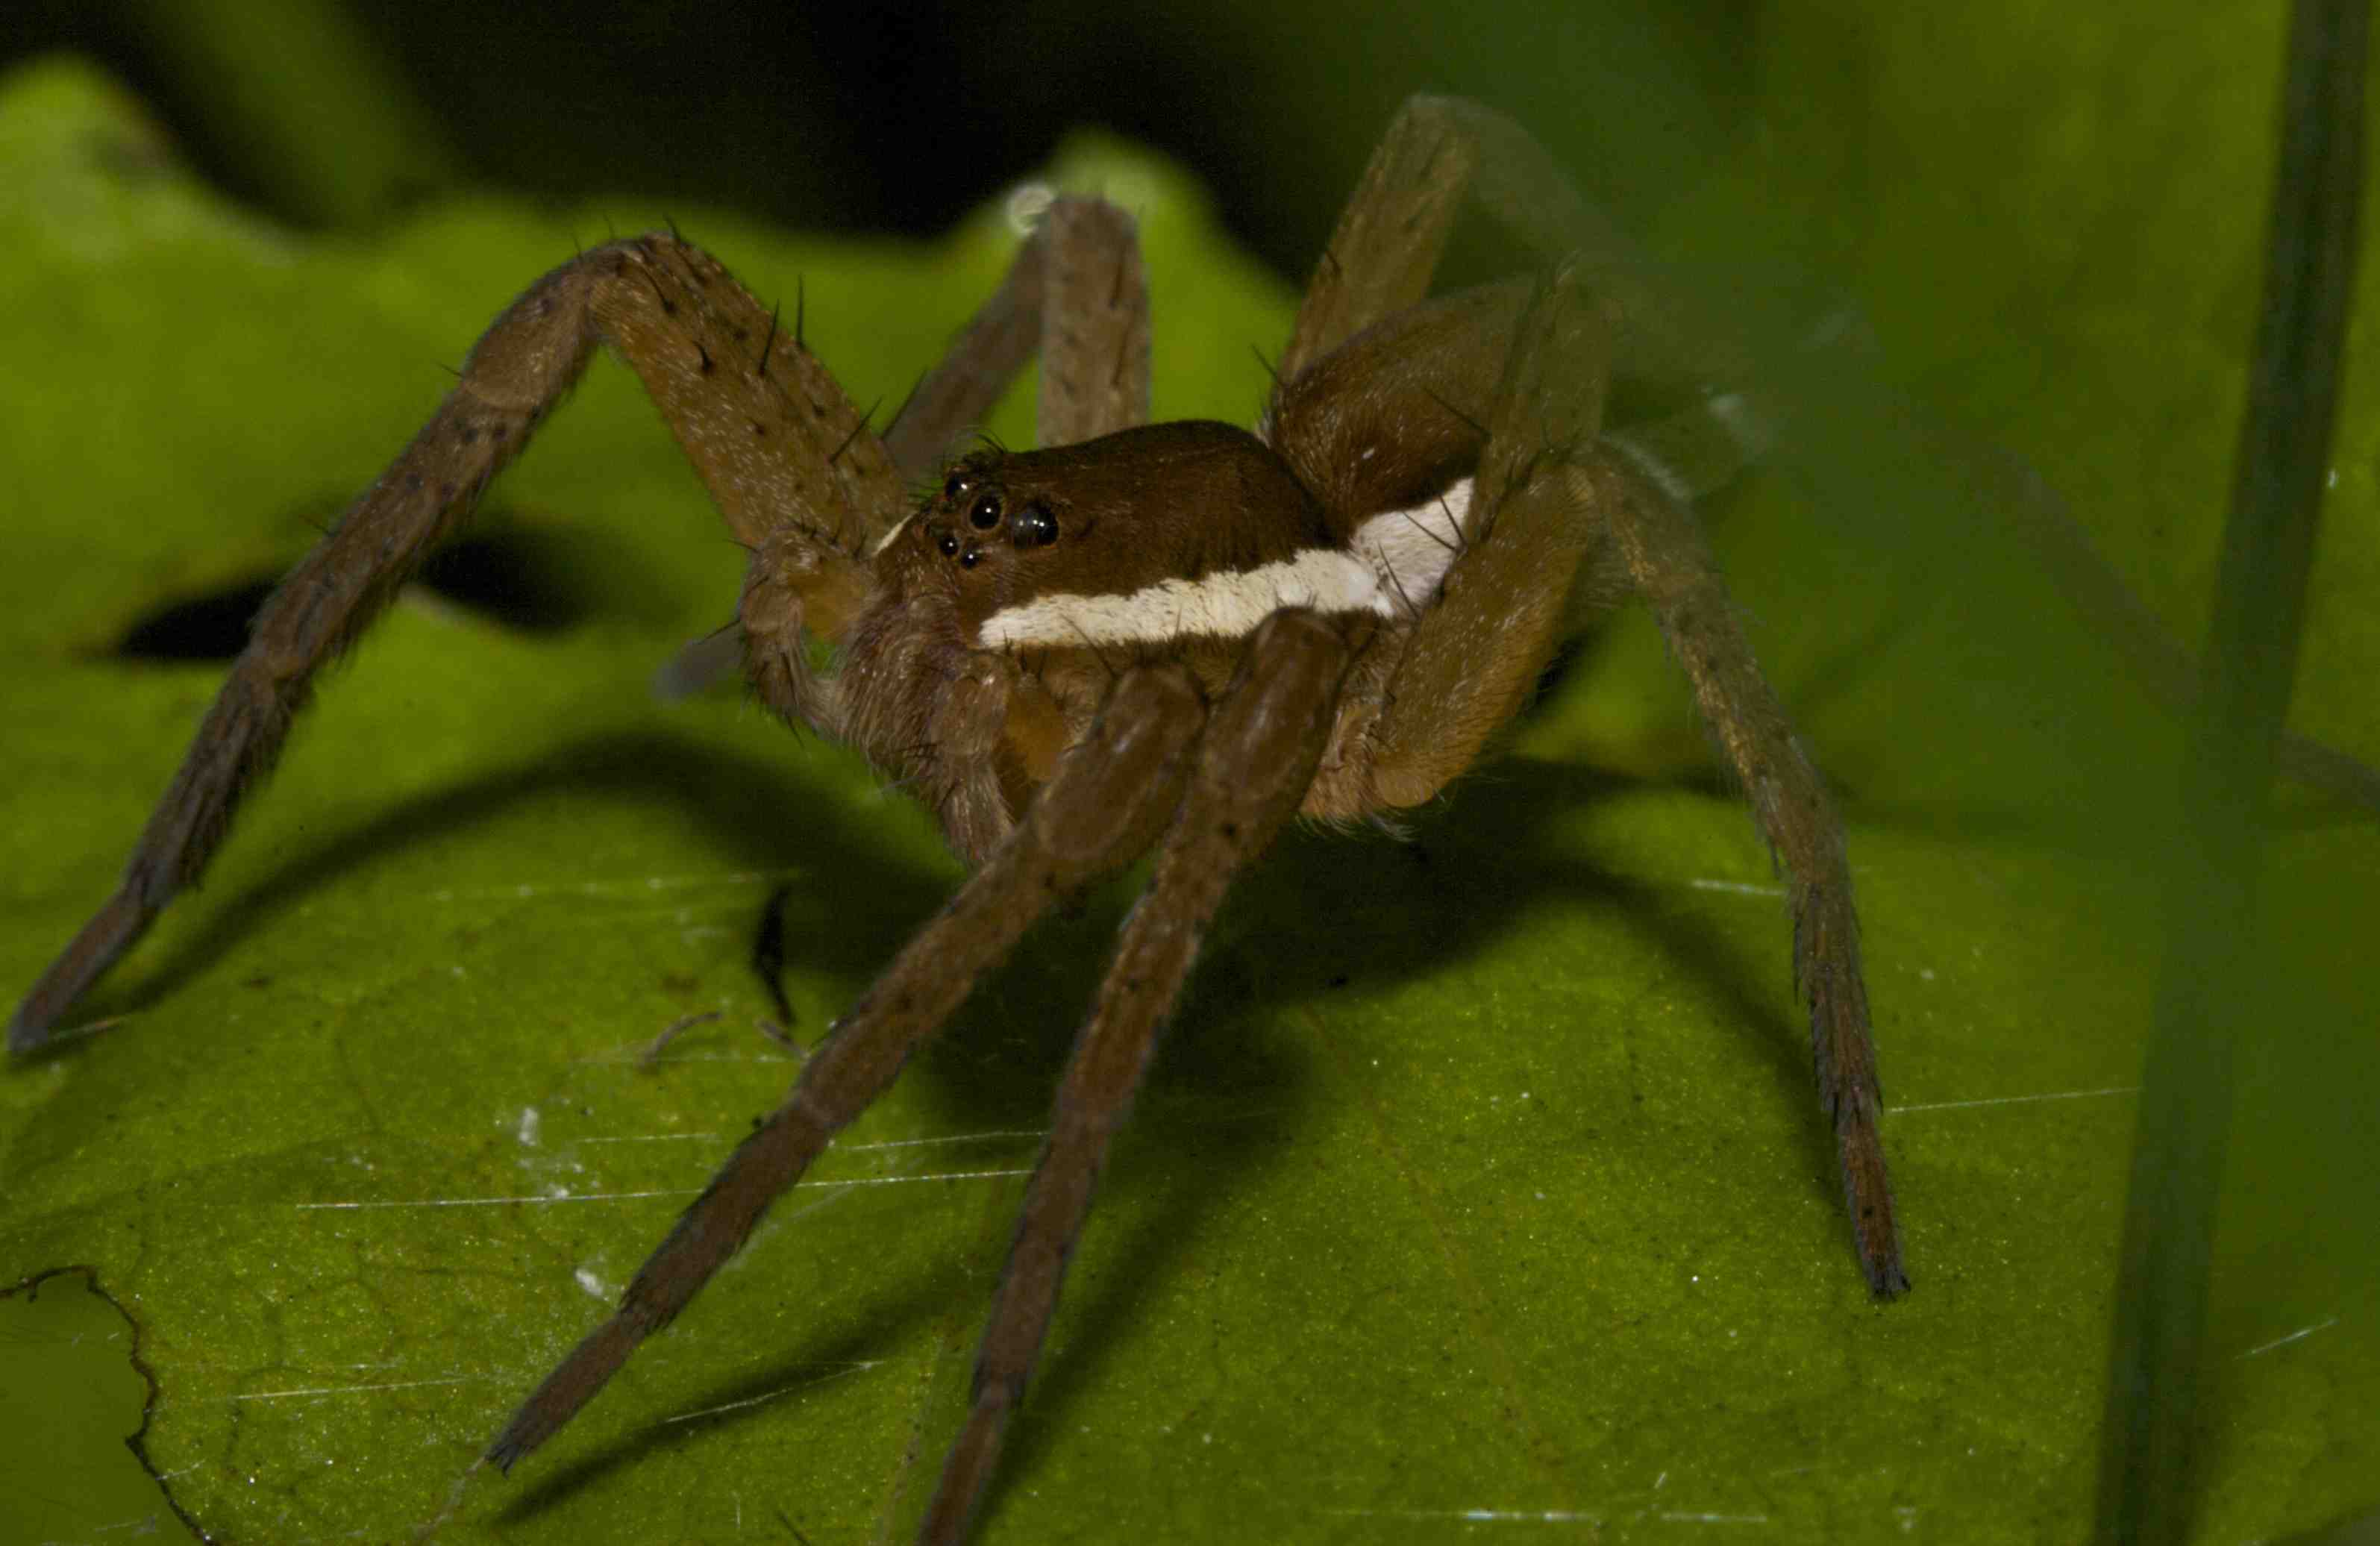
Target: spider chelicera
(1172,637)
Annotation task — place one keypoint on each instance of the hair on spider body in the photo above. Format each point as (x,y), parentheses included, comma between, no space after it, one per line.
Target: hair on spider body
(1170,638)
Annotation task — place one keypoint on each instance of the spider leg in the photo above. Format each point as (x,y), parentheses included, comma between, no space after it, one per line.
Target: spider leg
(1667,558)
(1391,234)
(1095,369)
(1107,802)
(772,436)
(1551,511)
(1263,739)
(1552,502)
(953,396)
(1077,294)
(1479,644)
(1436,152)
(1696,452)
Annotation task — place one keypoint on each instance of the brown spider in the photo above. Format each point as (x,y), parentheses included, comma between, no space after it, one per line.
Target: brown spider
(1174,636)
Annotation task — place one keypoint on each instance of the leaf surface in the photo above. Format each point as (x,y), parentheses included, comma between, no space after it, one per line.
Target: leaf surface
(1479,1183)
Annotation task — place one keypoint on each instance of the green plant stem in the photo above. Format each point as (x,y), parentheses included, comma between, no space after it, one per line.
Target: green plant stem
(2207,996)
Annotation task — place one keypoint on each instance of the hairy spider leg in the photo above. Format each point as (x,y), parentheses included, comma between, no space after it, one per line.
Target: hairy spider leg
(1663,547)
(1532,365)
(1440,152)
(1109,798)
(1558,500)
(1077,295)
(1095,340)
(1262,741)
(762,430)
(775,440)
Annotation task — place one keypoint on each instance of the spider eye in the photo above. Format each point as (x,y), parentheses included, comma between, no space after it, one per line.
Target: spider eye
(948,544)
(1035,527)
(967,559)
(986,514)
(952,487)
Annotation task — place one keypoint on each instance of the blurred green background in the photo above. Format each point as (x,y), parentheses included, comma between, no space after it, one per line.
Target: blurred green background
(899,117)
(2030,235)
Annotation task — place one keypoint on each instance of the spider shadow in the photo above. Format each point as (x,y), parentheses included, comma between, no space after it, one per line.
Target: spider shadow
(1323,910)
(1477,865)
(1223,1105)
(993,1068)
(1747,968)
(741,802)
(1480,863)
(863,1339)
(1480,866)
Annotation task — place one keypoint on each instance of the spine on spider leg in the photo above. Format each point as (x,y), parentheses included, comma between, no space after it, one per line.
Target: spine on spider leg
(526,361)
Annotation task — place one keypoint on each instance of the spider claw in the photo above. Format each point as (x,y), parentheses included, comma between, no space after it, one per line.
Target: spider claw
(509,1448)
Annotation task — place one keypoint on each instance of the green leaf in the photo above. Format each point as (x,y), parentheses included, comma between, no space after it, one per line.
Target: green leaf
(1479,1183)
(72,1395)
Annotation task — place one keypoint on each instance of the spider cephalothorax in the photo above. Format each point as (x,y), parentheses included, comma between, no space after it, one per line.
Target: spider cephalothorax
(1170,638)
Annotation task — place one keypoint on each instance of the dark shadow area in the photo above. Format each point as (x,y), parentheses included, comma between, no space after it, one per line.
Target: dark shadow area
(1557,674)
(855,118)
(1396,910)
(210,627)
(533,579)
(741,1401)
(520,579)
(749,807)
